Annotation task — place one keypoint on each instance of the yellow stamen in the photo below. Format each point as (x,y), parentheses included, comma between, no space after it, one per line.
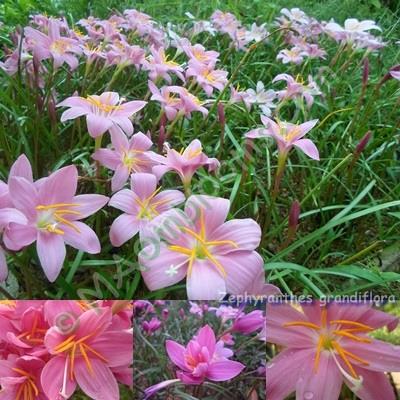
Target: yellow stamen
(353,323)
(86,358)
(351,336)
(59,348)
(180,249)
(324,316)
(303,324)
(317,356)
(90,349)
(56,205)
(66,222)
(343,356)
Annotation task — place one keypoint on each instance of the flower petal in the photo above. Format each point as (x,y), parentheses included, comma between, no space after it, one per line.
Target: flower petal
(97,125)
(224,370)
(176,352)
(308,148)
(86,239)
(51,251)
(123,228)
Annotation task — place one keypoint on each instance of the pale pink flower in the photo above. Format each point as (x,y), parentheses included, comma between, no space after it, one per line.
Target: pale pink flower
(257,33)
(215,256)
(125,157)
(297,89)
(141,204)
(294,55)
(395,74)
(295,15)
(225,22)
(185,163)
(199,54)
(159,66)
(261,97)
(326,346)
(191,103)
(103,113)
(60,49)
(287,135)
(207,77)
(168,97)
(53,212)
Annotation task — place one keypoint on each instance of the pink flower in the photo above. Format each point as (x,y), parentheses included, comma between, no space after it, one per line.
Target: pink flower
(159,66)
(141,204)
(53,45)
(151,326)
(20,378)
(197,53)
(326,346)
(53,212)
(203,358)
(126,157)
(84,356)
(103,113)
(294,55)
(168,97)
(207,77)
(185,163)
(248,323)
(287,135)
(296,88)
(395,74)
(216,256)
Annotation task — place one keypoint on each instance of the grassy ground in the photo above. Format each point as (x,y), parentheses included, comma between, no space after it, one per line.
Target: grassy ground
(349,236)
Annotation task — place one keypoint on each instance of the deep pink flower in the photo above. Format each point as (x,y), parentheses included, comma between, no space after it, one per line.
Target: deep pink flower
(326,346)
(103,113)
(141,204)
(216,256)
(84,356)
(53,212)
(287,135)
(20,378)
(60,49)
(248,323)
(184,163)
(126,157)
(151,326)
(203,358)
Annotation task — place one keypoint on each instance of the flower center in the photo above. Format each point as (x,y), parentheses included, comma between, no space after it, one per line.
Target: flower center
(60,46)
(148,207)
(202,248)
(28,389)
(107,108)
(35,336)
(330,335)
(50,216)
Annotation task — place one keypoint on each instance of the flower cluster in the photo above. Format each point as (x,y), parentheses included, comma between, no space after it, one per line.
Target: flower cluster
(49,349)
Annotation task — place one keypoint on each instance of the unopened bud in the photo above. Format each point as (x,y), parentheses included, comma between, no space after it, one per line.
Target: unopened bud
(362,144)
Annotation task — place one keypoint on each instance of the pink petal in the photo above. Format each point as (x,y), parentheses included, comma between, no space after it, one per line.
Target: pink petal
(167,199)
(22,167)
(156,262)
(75,101)
(119,140)
(176,352)
(143,184)
(86,239)
(52,378)
(101,384)
(94,320)
(8,215)
(73,113)
(224,370)
(130,108)
(24,195)
(325,384)
(124,200)
(288,364)
(124,123)
(124,228)
(116,347)
(89,204)
(120,177)
(59,187)
(206,338)
(110,98)
(51,252)
(257,133)
(97,125)
(241,267)
(108,158)
(17,236)
(214,209)
(376,385)
(205,282)
(245,233)
(308,148)
(140,142)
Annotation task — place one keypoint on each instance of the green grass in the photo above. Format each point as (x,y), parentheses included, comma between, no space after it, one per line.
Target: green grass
(349,227)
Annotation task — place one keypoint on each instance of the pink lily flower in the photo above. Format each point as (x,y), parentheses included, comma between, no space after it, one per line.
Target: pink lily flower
(53,213)
(326,346)
(103,113)
(191,103)
(203,358)
(126,157)
(141,204)
(85,356)
(248,323)
(60,49)
(185,163)
(207,77)
(198,54)
(149,327)
(200,245)
(294,55)
(287,135)
(20,378)
(167,97)
(159,65)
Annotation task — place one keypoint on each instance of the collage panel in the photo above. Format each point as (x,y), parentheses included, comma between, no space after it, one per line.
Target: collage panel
(336,350)
(66,349)
(194,350)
